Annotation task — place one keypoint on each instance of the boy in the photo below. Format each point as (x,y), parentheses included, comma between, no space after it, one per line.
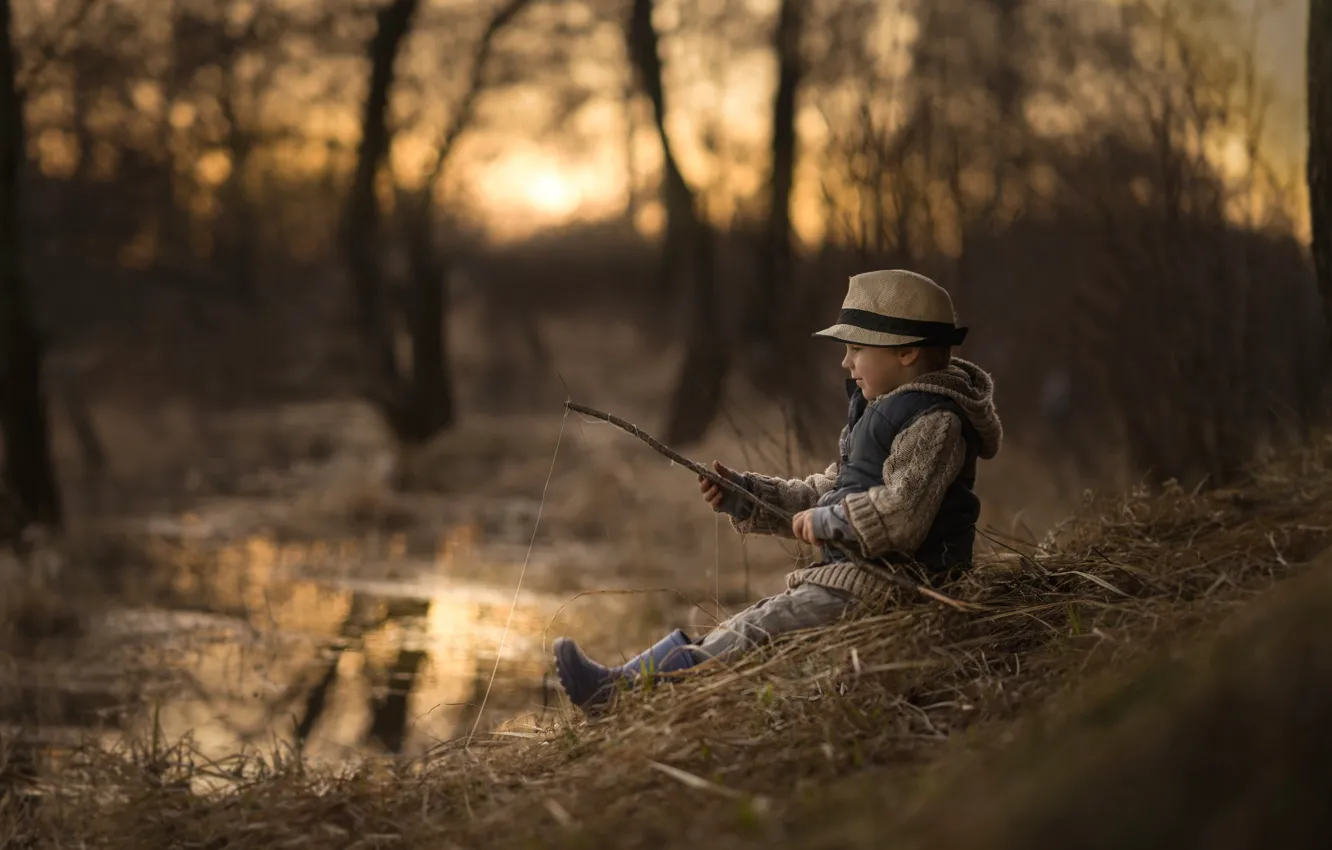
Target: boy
(902,490)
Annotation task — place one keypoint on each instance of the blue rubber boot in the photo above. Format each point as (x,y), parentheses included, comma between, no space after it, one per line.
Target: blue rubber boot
(590,685)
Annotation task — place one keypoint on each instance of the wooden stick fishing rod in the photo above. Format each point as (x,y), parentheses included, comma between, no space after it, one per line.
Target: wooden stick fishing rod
(730,486)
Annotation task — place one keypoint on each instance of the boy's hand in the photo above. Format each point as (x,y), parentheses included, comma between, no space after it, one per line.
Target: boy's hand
(802,526)
(712,494)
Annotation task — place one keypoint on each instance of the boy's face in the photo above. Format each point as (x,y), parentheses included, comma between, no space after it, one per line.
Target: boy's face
(880,370)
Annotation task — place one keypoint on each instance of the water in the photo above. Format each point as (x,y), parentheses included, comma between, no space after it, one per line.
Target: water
(322,606)
(342,649)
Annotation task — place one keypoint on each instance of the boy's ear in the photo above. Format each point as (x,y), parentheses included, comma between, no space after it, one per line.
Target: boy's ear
(908,356)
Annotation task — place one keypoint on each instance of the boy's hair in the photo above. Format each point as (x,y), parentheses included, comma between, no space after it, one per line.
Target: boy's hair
(934,358)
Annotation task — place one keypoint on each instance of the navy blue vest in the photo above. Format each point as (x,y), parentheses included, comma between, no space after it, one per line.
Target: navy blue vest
(866,441)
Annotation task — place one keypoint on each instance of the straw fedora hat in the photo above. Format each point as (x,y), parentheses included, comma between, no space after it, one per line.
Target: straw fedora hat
(892,308)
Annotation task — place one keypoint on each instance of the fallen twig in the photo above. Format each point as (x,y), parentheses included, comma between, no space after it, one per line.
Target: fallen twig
(732,487)
(696,782)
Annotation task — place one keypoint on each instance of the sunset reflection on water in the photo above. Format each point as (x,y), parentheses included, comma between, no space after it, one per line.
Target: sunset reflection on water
(342,665)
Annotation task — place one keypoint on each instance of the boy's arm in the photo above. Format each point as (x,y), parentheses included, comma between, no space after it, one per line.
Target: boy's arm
(792,495)
(924,460)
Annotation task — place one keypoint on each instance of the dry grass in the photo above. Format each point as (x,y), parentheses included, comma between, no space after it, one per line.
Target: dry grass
(731,753)
(1225,746)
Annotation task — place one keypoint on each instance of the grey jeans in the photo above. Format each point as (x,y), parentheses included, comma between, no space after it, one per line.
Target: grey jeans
(805,607)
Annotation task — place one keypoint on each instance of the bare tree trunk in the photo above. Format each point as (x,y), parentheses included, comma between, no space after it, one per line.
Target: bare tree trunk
(763,320)
(29,472)
(1320,145)
(630,160)
(69,394)
(698,391)
(363,236)
(428,408)
(681,217)
(239,228)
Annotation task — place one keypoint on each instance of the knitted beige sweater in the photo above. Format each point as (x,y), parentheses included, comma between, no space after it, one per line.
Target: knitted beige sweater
(892,519)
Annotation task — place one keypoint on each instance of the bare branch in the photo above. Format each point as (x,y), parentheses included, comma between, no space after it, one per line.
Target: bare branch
(462,115)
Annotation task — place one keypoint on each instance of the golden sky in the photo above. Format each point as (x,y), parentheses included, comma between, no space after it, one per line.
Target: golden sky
(530,183)
(521,169)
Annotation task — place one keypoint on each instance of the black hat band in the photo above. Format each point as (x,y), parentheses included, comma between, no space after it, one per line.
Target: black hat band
(931,333)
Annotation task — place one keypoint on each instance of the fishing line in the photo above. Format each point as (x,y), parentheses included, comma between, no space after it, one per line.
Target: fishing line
(716,565)
(517,590)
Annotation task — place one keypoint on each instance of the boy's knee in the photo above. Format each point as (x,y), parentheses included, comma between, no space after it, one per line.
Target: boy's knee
(728,640)
(803,607)
(818,605)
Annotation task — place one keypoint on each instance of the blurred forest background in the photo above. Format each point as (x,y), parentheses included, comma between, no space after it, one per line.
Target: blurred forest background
(468,208)
(295,290)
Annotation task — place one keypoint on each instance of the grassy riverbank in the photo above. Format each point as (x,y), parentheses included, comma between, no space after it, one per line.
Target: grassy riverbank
(843,737)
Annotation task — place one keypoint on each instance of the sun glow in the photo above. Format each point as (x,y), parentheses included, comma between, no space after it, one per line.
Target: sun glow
(529,189)
(552,194)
